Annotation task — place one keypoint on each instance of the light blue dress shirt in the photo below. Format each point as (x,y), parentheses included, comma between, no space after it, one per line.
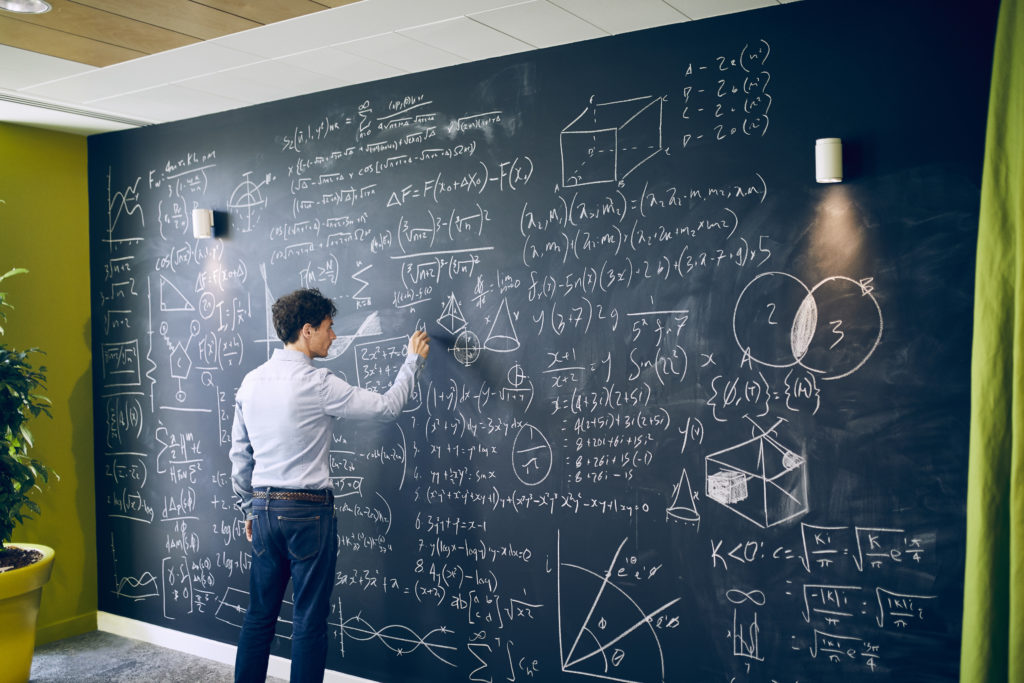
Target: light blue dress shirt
(284,419)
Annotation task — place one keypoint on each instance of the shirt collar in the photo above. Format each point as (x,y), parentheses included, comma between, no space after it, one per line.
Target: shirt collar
(292,355)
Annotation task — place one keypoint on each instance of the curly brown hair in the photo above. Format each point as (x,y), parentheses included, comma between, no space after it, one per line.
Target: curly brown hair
(293,311)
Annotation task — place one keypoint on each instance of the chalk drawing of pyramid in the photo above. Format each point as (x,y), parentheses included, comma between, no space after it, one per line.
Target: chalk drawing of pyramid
(451,317)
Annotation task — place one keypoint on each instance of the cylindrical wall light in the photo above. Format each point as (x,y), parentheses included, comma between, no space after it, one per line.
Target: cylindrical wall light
(828,160)
(202,223)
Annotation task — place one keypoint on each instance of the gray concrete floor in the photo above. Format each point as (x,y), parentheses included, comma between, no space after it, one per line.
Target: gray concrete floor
(100,656)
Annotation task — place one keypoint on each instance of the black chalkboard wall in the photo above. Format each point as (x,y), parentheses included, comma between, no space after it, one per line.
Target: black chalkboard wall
(688,415)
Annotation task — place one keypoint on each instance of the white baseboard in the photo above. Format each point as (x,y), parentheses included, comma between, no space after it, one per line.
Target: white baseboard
(201,647)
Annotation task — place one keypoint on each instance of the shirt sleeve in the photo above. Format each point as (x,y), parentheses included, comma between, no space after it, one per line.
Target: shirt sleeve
(242,462)
(341,399)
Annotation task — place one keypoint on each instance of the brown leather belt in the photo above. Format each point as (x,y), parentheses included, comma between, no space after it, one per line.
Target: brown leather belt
(323,497)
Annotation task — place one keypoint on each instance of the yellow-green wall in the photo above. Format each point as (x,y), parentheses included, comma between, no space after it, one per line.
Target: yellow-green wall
(44,226)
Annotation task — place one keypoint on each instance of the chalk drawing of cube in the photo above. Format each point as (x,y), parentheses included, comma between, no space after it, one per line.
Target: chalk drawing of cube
(609,140)
(760,480)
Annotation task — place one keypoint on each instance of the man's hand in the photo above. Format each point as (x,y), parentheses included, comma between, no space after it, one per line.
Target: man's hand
(419,343)
(248,530)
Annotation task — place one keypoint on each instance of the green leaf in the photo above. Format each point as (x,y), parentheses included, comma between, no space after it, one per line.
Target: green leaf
(13,271)
(20,402)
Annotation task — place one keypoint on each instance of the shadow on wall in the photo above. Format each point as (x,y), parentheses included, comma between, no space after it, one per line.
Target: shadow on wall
(84,496)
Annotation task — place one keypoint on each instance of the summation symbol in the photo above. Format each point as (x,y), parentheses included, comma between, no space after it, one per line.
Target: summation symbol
(360,298)
(613,631)
(398,638)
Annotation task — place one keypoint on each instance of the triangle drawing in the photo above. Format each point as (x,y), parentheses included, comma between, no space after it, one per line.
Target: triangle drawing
(171,298)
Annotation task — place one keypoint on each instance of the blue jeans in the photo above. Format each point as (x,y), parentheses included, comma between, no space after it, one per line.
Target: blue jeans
(296,539)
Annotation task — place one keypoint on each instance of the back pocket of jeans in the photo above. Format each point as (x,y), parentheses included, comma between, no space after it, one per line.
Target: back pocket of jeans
(302,535)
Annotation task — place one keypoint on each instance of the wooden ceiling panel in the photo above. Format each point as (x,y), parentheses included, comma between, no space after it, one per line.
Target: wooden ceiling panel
(106,32)
(48,41)
(184,16)
(88,22)
(267,11)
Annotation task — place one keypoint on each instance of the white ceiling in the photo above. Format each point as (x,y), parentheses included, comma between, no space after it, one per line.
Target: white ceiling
(355,43)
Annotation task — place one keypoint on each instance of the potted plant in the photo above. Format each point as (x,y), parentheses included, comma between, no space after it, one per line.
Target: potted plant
(24,568)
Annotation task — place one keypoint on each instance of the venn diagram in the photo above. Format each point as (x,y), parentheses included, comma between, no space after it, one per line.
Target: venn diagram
(830,329)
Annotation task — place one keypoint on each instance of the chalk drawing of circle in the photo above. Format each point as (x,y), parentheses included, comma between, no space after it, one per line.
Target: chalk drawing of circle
(766,317)
(515,375)
(531,456)
(843,330)
(207,305)
(466,348)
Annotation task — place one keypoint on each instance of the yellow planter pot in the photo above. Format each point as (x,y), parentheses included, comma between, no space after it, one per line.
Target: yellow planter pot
(20,590)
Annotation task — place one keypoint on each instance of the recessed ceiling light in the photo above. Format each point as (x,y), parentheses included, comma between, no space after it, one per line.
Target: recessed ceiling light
(25,6)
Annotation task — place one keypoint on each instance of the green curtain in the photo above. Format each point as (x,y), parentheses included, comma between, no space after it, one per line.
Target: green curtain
(993,629)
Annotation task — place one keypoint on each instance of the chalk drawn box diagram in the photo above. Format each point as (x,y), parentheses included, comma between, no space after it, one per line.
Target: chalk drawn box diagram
(121,365)
(609,140)
(760,480)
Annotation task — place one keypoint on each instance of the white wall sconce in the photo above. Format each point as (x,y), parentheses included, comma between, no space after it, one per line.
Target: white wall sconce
(828,160)
(202,223)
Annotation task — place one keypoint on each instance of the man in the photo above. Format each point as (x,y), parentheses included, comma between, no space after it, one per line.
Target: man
(280,471)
